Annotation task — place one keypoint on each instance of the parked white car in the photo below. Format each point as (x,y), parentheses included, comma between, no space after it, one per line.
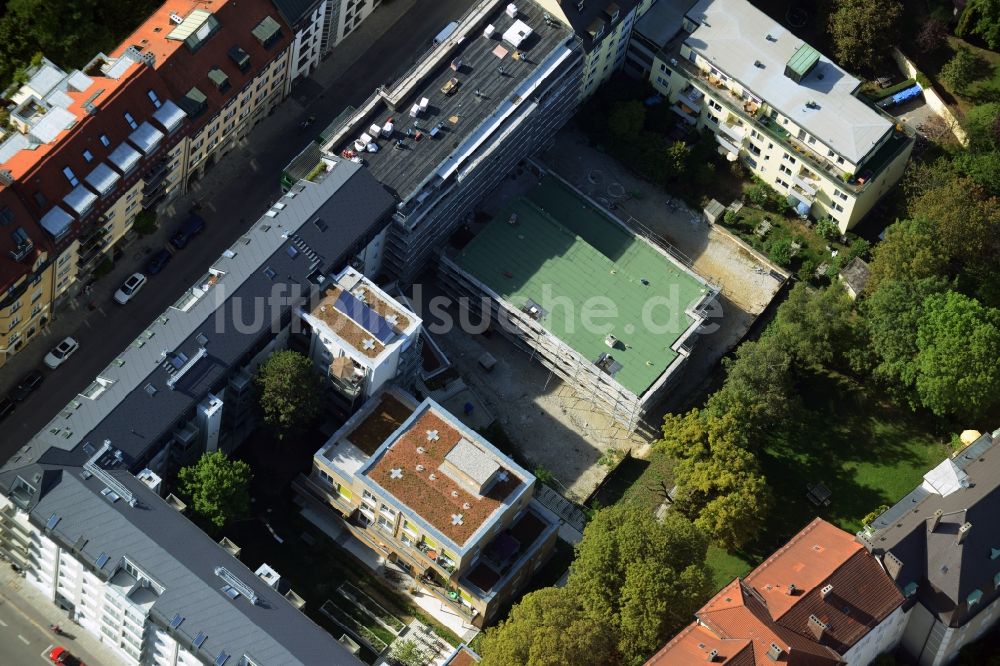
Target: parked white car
(62,351)
(130,288)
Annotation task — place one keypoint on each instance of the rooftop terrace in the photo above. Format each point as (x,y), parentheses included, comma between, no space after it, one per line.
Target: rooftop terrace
(562,248)
(446,475)
(471,109)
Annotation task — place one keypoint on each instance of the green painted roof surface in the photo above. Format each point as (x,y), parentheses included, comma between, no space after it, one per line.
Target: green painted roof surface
(804,58)
(562,253)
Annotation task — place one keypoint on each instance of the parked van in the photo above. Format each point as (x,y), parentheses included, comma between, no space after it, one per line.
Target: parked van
(446,33)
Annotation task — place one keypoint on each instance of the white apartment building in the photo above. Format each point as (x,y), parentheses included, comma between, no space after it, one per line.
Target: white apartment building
(343,16)
(361,337)
(788,112)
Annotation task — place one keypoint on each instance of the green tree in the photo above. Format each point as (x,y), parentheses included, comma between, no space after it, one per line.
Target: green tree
(217,487)
(817,325)
(981,126)
(958,342)
(892,314)
(290,392)
(407,653)
(827,229)
(627,120)
(862,32)
(966,219)
(724,492)
(910,251)
(758,194)
(639,577)
(981,18)
(548,628)
(145,222)
(780,251)
(963,68)
(757,393)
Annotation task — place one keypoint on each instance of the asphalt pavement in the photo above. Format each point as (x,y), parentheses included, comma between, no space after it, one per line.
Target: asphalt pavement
(232,195)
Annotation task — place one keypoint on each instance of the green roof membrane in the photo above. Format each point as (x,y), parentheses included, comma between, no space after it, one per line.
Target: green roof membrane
(801,62)
(571,260)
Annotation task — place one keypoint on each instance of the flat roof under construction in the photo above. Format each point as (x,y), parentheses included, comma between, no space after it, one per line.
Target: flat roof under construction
(563,248)
(482,95)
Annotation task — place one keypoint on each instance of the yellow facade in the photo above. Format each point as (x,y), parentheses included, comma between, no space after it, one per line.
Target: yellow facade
(23,318)
(746,127)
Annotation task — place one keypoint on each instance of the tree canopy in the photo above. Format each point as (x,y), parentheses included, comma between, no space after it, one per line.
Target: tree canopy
(290,392)
(634,583)
(958,343)
(217,487)
(909,252)
(981,18)
(862,32)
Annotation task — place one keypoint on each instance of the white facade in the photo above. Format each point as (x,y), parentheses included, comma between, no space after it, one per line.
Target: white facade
(369,368)
(880,640)
(307,48)
(115,612)
(343,16)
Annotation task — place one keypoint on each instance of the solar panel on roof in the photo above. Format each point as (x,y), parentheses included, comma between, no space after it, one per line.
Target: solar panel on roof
(102,559)
(176,621)
(199,639)
(292,251)
(364,316)
(221,659)
(52,522)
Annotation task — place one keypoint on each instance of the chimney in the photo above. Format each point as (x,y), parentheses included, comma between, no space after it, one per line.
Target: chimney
(935,520)
(826,590)
(893,565)
(712,655)
(817,627)
(774,653)
(792,589)
(963,533)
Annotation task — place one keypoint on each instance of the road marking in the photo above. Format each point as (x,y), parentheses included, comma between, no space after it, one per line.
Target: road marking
(24,640)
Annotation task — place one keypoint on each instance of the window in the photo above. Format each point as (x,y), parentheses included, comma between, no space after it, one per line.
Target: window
(105,141)
(838,208)
(89,156)
(385,524)
(840,195)
(388,512)
(153,98)
(70,176)
(14,322)
(368,496)
(788,158)
(785,170)
(130,120)
(14,308)
(326,477)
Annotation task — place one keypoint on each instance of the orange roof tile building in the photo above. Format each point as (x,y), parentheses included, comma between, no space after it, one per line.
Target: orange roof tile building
(436,498)
(820,600)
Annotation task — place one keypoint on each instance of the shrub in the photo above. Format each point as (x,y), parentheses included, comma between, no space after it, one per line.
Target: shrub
(145,223)
(827,229)
(780,251)
(964,68)
(758,194)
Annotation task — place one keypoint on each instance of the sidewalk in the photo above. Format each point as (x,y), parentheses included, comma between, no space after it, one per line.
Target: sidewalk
(29,602)
(232,176)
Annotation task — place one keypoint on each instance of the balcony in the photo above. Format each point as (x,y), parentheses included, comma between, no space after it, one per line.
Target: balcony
(807,182)
(734,130)
(347,377)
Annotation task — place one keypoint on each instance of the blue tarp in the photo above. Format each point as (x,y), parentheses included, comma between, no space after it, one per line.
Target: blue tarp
(902,96)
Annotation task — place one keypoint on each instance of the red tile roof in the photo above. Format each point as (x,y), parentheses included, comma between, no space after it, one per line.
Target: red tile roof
(463,657)
(694,645)
(41,170)
(765,609)
(183,69)
(437,500)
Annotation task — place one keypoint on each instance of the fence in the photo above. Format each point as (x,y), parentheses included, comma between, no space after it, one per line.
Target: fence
(934,101)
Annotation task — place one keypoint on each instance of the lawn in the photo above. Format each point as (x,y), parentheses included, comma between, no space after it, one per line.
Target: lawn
(865,450)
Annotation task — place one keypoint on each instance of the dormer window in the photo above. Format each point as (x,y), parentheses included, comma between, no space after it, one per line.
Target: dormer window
(153,98)
(70,176)
(130,120)
(89,156)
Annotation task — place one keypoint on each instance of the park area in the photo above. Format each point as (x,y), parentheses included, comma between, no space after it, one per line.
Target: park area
(848,440)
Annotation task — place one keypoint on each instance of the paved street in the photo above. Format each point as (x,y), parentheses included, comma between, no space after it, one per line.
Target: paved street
(232,195)
(25,638)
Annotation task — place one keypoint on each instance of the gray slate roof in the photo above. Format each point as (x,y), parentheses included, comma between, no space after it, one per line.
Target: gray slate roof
(944,571)
(182,558)
(351,206)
